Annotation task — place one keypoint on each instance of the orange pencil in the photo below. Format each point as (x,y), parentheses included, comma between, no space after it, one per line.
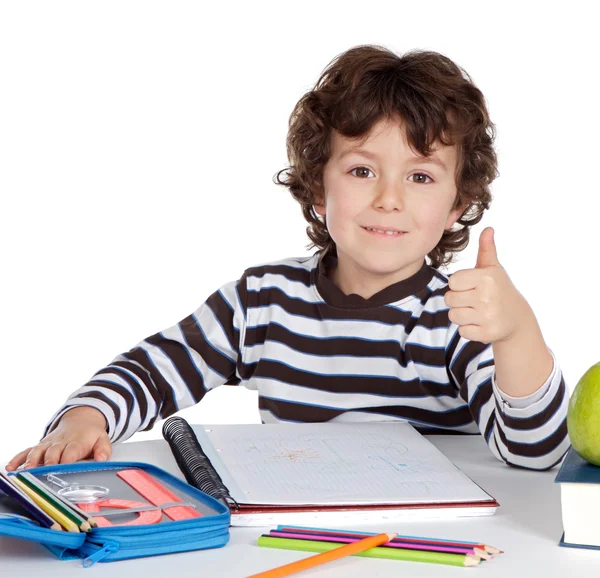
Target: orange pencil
(324,557)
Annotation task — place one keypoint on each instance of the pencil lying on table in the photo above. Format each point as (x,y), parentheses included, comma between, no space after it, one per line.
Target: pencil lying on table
(399,538)
(391,544)
(326,555)
(308,545)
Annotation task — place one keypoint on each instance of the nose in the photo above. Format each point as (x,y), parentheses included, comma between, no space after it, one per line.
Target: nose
(390,196)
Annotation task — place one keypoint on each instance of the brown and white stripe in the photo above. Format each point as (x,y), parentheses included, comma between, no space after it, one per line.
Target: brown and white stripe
(315,354)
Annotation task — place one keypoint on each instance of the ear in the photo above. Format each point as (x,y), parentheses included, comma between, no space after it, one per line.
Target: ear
(454,215)
(319,209)
(319,206)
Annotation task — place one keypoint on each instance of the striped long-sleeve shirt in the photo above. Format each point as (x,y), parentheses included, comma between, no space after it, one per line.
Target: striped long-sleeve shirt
(315,354)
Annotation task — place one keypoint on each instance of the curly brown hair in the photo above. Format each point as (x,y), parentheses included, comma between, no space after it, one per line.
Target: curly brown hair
(436,101)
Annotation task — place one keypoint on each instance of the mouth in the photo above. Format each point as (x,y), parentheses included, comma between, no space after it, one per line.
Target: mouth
(385,232)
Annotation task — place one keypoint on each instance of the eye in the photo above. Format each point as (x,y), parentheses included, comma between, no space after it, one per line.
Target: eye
(361,172)
(421,178)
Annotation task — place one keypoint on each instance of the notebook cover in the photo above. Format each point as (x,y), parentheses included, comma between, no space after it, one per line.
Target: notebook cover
(570,545)
(576,470)
(256,509)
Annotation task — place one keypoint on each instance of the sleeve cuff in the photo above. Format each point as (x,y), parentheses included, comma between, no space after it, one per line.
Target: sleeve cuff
(529,400)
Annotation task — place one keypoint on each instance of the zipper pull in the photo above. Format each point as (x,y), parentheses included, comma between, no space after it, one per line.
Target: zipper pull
(107,549)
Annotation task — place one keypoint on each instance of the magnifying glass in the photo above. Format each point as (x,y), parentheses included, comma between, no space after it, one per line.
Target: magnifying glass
(83,493)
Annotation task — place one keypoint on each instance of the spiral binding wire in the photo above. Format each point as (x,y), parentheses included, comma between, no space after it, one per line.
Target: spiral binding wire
(192,460)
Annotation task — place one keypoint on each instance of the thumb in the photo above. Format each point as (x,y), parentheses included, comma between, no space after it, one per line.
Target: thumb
(102,449)
(487,256)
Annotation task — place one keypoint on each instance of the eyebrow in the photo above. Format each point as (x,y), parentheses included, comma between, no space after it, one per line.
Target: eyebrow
(432,159)
(358,151)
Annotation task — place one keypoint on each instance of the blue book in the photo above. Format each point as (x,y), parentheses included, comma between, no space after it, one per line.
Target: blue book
(580,501)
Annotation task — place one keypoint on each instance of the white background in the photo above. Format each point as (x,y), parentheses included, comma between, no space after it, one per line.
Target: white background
(138,141)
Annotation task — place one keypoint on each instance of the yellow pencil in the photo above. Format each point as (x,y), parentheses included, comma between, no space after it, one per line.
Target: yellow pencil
(335,554)
(65,522)
(63,505)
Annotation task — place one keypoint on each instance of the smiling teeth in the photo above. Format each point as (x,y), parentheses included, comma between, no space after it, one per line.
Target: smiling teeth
(381,231)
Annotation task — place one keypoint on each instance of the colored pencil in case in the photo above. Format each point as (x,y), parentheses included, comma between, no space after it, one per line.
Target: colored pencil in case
(58,516)
(378,552)
(403,538)
(59,503)
(325,556)
(91,521)
(392,544)
(84,515)
(32,509)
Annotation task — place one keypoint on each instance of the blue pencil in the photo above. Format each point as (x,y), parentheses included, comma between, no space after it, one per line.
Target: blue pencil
(489,549)
(26,503)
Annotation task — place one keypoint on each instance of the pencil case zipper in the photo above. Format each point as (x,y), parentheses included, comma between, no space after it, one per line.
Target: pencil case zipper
(164,529)
(16,528)
(101,543)
(98,547)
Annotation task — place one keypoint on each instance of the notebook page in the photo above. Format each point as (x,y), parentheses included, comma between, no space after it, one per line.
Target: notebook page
(333,463)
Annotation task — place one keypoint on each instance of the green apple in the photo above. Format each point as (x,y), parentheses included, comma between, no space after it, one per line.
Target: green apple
(583,416)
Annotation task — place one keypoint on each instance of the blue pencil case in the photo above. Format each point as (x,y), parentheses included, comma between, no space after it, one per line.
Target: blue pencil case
(133,520)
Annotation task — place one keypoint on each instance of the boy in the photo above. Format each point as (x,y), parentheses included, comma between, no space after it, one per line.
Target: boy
(391,159)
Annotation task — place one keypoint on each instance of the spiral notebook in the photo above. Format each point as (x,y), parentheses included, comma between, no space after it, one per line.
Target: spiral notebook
(323,472)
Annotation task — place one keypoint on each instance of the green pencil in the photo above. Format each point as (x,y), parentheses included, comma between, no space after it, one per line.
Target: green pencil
(388,553)
(35,512)
(92,522)
(37,486)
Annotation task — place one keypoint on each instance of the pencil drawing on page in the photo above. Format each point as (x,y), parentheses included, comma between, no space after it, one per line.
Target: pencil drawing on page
(319,464)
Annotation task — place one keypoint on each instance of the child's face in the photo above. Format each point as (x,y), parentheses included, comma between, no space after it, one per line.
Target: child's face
(383,184)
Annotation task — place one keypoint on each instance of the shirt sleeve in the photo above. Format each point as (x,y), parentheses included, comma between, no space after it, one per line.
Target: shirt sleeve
(170,370)
(528,432)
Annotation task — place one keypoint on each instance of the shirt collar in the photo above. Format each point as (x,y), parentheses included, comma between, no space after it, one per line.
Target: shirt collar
(334,296)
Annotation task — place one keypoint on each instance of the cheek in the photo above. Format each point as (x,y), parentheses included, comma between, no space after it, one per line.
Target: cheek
(342,208)
(431,214)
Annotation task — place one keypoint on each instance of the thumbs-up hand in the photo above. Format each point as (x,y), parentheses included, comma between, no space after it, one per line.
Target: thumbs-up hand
(483,301)
(487,255)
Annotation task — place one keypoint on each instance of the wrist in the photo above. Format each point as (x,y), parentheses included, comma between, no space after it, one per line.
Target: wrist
(523,361)
(90,415)
(525,327)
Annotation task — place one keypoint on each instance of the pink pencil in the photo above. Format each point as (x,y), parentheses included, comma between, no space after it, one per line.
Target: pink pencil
(393,544)
(399,538)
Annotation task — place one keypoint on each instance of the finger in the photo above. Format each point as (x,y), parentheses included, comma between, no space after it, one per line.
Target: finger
(463,316)
(102,450)
(17,460)
(460,298)
(53,454)
(487,255)
(73,452)
(36,455)
(465,280)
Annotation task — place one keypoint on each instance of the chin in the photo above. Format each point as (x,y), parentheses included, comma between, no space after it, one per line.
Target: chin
(385,268)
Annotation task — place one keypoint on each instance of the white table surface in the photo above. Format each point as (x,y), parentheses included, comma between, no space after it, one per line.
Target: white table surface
(527,526)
